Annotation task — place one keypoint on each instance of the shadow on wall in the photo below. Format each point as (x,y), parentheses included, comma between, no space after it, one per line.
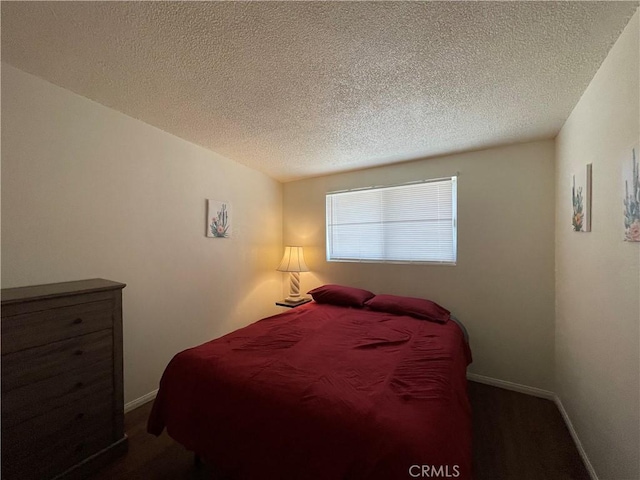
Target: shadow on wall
(244,313)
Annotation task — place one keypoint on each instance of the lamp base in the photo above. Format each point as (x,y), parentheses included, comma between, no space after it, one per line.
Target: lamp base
(295,300)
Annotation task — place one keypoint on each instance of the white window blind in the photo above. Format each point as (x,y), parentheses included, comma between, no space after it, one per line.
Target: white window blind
(406,223)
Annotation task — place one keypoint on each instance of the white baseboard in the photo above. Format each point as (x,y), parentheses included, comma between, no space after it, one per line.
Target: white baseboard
(516,387)
(576,440)
(539,392)
(138,402)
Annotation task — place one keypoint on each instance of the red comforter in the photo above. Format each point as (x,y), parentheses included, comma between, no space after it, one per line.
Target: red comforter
(324,392)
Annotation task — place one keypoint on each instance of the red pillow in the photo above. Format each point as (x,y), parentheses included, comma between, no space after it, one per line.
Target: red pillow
(341,295)
(414,307)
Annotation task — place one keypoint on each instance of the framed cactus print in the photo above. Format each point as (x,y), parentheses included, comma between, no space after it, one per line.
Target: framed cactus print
(581,200)
(631,203)
(218,219)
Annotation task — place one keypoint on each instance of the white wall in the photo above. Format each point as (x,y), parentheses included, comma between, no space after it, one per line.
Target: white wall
(503,285)
(598,275)
(90,192)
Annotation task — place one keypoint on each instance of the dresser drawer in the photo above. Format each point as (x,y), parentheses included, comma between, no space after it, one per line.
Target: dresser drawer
(37,328)
(36,399)
(76,419)
(44,458)
(39,363)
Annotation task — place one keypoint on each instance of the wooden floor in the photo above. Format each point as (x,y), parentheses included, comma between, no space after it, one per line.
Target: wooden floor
(520,437)
(515,437)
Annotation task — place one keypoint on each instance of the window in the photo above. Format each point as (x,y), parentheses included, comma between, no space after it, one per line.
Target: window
(407,223)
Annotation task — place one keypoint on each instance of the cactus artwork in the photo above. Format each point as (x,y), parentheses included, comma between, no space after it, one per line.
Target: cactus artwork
(632,197)
(577,220)
(581,200)
(218,219)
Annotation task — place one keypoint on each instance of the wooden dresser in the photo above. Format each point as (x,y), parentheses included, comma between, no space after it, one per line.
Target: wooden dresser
(62,396)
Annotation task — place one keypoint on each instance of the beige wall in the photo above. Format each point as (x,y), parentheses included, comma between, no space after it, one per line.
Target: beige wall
(90,192)
(503,285)
(598,275)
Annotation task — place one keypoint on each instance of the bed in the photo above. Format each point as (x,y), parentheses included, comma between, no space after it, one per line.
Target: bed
(324,392)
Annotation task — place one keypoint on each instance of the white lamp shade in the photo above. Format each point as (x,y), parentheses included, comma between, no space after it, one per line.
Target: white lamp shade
(293,260)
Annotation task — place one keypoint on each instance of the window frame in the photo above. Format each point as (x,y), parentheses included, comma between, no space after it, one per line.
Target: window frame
(454,212)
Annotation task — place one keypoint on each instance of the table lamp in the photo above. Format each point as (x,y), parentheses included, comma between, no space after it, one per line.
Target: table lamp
(293,262)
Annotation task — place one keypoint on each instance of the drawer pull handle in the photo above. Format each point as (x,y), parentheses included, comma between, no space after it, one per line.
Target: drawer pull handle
(79,385)
(80,416)
(78,352)
(77,321)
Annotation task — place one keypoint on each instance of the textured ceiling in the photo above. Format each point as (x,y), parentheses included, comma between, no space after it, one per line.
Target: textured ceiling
(307,88)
